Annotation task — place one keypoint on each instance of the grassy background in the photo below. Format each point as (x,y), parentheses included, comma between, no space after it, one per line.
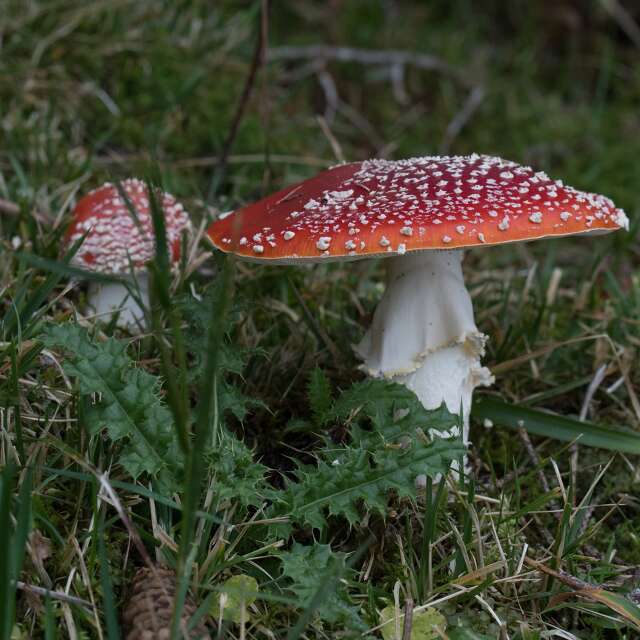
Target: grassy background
(108,89)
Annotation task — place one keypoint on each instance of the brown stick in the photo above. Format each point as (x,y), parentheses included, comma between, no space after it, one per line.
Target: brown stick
(408,619)
(256,62)
(385,57)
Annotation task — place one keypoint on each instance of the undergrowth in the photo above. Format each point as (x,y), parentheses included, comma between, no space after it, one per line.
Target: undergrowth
(235,439)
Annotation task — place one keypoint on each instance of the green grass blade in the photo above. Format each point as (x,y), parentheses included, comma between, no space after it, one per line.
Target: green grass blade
(204,427)
(63,269)
(6,591)
(160,271)
(49,620)
(16,404)
(22,322)
(13,541)
(109,609)
(557,427)
(23,526)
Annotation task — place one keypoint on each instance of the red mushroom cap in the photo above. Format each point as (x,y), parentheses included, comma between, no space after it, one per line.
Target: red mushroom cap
(115,239)
(384,207)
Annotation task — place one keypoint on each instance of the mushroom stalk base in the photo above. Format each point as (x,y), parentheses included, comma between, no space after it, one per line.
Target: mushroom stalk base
(423,334)
(107,298)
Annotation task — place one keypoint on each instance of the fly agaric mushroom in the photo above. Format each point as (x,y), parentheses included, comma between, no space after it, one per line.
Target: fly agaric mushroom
(119,241)
(421,213)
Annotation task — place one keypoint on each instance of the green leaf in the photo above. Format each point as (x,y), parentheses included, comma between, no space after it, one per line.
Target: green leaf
(199,313)
(15,524)
(423,624)
(231,400)
(557,427)
(389,449)
(238,477)
(231,358)
(122,399)
(355,476)
(237,593)
(307,567)
(390,407)
(462,633)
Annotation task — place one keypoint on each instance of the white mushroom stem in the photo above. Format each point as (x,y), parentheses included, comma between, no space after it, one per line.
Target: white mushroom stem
(423,333)
(107,298)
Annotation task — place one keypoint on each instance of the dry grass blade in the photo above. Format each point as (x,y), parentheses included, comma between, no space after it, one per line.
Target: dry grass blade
(391,58)
(624,607)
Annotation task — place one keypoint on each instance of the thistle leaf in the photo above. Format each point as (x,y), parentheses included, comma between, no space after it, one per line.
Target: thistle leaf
(389,449)
(311,567)
(121,399)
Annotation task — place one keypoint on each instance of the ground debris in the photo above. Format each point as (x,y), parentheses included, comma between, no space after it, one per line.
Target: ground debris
(147,615)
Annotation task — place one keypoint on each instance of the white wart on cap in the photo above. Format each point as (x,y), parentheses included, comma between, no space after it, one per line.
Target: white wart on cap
(115,238)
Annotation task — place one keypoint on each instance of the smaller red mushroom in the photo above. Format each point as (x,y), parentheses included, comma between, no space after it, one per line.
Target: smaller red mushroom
(117,242)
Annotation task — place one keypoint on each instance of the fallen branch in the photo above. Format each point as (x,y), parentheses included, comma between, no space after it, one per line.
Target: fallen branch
(54,595)
(386,57)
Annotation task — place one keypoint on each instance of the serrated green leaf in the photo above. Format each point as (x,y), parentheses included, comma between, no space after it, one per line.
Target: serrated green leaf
(123,400)
(462,633)
(423,624)
(238,477)
(233,401)
(356,476)
(307,567)
(237,592)
(231,357)
(388,403)
(388,450)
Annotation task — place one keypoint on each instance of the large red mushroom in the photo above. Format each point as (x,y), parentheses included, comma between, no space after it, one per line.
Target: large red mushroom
(119,240)
(421,213)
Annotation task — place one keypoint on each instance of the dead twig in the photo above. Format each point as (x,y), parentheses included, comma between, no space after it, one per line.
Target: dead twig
(408,619)
(386,57)
(256,63)
(534,457)
(328,134)
(470,106)
(54,595)
(331,98)
(6,206)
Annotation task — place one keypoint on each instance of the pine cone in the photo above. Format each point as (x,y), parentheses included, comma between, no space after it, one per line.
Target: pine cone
(147,615)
